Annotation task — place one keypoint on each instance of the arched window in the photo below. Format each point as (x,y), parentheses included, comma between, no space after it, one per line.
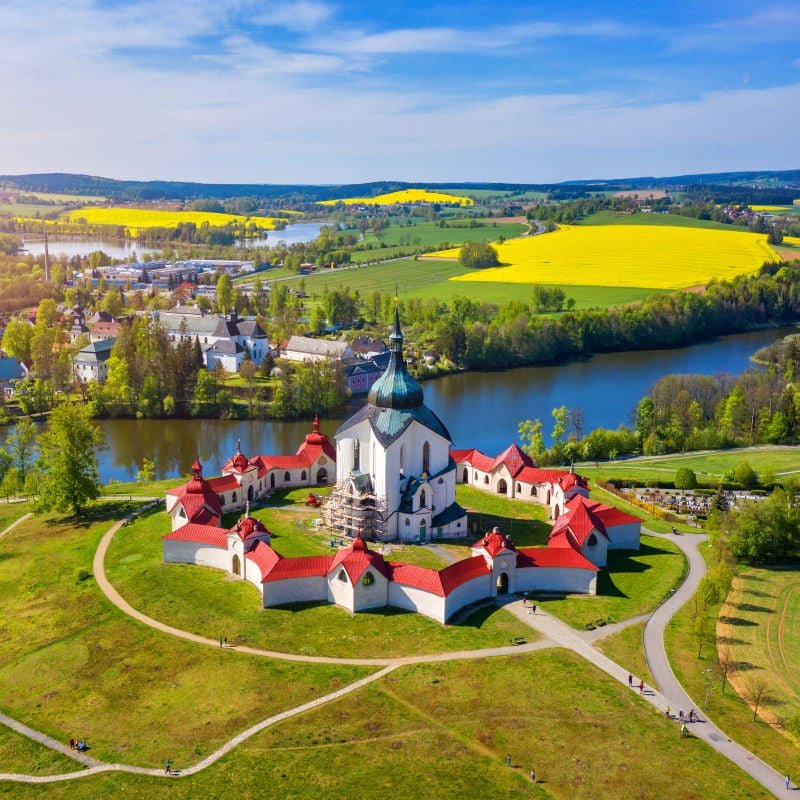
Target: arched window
(486,479)
(182,513)
(236,566)
(287,477)
(402,458)
(222,499)
(272,480)
(422,499)
(533,491)
(233,497)
(408,522)
(465,476)
(368,579)
(303,475)
(356,454)
(592,540)
(519,489)
(342,576)
(426,458)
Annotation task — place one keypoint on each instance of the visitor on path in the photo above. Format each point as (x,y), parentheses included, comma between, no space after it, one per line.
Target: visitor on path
(71,744)
(220,641)
(225,641)
(533,776)
(525,601)
(508,760)
(168,767)
(692,715)
(630,681)
(533,608)
(684,732)
(680,714)
(788,782)
(667,714)
(641,687)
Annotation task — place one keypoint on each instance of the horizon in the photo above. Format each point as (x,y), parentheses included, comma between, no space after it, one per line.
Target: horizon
(318,93)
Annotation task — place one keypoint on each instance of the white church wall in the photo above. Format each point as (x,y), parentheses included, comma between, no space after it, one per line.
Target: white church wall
(340,590)
(178,552)
(597,553)
(375,595)
(478,588)
(411,598)
(624,537)
(556,579)
(295,590)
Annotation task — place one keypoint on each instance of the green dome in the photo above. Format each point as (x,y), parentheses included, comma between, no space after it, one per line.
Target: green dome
(396,388)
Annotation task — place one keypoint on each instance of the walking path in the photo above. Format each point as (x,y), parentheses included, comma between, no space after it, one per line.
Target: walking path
(15,523)
(555,632)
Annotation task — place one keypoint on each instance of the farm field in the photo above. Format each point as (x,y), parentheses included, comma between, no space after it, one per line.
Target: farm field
(32,211)
(207,601)
(709,467)
(135,219)
(442,731)
(402,196)
(637,256)
(759,622)
(661,220)
(429,278)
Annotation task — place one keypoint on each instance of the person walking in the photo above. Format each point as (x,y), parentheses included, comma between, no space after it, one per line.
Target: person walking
(168,767)
(788,782)
(668,714)
(533,607)
(630,681)
(533,776)
(680,714)
(508,760)
(683,730)
(641,687)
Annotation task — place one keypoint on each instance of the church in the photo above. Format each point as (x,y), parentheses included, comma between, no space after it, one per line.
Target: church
(395,478)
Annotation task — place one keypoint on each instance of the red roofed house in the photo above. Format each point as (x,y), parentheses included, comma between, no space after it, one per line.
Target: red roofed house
(246,479)
(514,474)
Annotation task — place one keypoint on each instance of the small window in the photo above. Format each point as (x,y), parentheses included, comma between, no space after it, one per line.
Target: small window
(233,497)
(408,522)
(422,499)
(287,476)
(426,458)
(303,475)
(592,540)
(356,454)
(486,479)
(368,579)
(342,576)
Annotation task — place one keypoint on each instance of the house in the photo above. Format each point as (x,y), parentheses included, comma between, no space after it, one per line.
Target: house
(360,374)
(105,329)
(91,363)
(305,348)
(11,371)
(367,348)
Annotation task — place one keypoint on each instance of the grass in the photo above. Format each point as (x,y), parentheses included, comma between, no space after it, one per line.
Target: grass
(210,603)
(727,710)
(457,231)
(656,256)
(626,648)
(632,583)
(9,512)
(143,488)
(429,279)
(442,731)
(20,754)
(73,665)
(667,220)
(759,621)
(30,210)
(402,196)
(709,467)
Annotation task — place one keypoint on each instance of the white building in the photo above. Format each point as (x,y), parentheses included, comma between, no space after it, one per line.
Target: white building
(394,475)
(306,348)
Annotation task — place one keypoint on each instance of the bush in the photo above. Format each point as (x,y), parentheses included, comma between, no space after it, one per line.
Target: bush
(82,575)
(745,475)
(685,478)
(478,255)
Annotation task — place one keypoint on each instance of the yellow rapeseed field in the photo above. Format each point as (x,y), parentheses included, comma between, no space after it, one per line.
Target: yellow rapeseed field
(646,256)
(135,219)
(404,196)
(769,209)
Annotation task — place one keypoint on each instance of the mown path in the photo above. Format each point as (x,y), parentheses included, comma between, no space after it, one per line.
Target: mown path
(556,633)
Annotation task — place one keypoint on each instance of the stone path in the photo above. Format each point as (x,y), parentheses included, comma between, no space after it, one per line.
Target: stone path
(555,632)
(15,523)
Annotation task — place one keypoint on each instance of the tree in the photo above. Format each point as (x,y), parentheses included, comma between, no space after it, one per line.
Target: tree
(726,664)
(560,417)
(685,478)
(745,475)
(21,443)
(224,293)
(147,472)
(68,460)
(531,436)
(248,371)
(17,340)
(478,255)
(758,692)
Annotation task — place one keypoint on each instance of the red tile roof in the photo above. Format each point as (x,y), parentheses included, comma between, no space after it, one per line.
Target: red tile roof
(429,580)
(462,571)
(553,557)
(248,526)
(224,483)
(462,455)
(356,558)
(495,543)
(538,475)
(201,534)
(264,557)
(303,567)
(513,459)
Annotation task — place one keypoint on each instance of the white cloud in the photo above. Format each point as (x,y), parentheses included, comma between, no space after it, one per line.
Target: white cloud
(304,15)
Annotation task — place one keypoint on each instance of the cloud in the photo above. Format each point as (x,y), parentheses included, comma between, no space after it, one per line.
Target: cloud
(304,15)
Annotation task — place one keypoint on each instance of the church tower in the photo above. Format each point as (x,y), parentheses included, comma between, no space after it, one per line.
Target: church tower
(394,475)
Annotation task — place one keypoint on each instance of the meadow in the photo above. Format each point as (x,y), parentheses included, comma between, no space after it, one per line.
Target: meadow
(651,256)
(401,197)
(136,219)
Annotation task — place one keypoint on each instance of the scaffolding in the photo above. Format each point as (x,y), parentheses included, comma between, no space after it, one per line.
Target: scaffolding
(354,514)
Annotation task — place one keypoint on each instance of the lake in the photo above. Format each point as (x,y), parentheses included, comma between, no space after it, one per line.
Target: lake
(481,409)
(128,249)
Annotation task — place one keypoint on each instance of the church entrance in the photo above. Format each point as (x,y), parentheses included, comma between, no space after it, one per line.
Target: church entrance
(322,476)
(249,492)
(423,530)
(236,567)
(502,583)
(502,486)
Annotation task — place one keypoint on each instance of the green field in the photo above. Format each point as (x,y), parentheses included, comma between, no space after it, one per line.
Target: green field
(627,649)
(442,731)
(428,279)
(672,220)
(20,754)
(208,602)
(30,210)
(760,619)
(709,467)
(71,664)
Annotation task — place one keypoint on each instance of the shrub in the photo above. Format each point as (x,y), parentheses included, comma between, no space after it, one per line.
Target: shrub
(478,255)
(685,478)
(745,475)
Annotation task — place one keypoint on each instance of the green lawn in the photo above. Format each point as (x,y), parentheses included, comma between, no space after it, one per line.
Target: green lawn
(430,233)
(626,648)
(143,489)
(631,584)
(9,512)
(429,279)
(71,664)
(209,602)
(726,709)
(20,754)
(442,731)
(709,467)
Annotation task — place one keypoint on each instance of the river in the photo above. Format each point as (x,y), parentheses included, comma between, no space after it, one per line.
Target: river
(481,409)
(126,249)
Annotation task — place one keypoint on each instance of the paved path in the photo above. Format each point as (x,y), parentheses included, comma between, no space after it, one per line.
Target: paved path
(15,523)
(665,678)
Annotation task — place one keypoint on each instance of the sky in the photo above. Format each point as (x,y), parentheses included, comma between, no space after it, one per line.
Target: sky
(310,91)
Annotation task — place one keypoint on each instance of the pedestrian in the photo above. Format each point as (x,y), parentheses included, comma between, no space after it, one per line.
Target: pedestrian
(71,744)
(220,641)
(691,715)
(508,760)
(641,687)
(788,781)
(534,608)
(168,767)
(533,776)
(667,713)
(683,730)
(630,680)
(680,714)
(225,641)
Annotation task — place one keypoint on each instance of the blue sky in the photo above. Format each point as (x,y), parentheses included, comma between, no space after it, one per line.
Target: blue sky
(319,92)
